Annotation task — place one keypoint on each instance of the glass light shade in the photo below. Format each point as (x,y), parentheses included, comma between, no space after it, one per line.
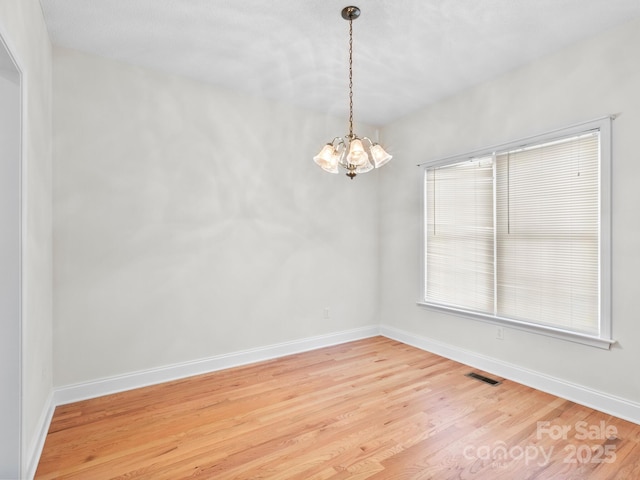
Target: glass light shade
(367,167)
(357,156)
(327,159)
(379,155)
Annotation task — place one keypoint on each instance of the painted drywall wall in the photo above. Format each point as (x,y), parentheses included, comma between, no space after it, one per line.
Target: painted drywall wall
(23,28)
(586,81)
(190,221)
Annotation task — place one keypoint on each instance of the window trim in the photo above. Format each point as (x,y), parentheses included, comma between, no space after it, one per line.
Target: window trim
(604,340)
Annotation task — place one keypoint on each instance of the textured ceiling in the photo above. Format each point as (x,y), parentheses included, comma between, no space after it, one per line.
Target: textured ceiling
(407,53)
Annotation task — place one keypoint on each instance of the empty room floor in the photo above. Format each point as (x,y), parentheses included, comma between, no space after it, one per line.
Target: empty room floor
(369,409)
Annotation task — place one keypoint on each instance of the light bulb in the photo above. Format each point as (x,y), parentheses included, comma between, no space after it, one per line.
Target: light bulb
(357,156)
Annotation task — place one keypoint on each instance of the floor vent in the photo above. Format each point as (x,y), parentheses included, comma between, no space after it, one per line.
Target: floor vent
(484,379)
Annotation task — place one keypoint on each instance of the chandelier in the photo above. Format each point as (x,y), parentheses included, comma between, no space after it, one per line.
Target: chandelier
(352,153)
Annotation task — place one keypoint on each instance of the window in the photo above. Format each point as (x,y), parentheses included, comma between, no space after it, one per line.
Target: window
(519,234)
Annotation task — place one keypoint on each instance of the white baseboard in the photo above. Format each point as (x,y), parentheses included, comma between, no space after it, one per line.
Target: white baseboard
(604,402)
(129,381)
(34,450)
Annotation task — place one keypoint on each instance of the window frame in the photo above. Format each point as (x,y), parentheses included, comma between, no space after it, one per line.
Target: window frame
(604,338)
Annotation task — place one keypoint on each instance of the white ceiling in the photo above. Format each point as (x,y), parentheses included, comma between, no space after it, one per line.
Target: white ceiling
(407,53)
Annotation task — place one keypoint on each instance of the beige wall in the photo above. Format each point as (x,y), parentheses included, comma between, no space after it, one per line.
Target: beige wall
(22,25)
(191,222)
(589,80)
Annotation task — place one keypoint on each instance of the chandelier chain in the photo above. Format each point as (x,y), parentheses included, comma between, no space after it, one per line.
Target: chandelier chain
(350,78)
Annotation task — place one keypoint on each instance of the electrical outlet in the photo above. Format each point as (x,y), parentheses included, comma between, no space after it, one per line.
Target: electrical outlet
(326,313)
(500,333)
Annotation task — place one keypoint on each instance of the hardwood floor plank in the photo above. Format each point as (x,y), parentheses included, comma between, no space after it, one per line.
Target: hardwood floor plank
(371,409)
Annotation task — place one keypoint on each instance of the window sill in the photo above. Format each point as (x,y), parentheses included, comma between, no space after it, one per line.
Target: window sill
(585,339)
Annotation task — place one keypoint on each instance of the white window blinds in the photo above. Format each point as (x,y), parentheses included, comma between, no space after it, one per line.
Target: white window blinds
(516,234)
(547,231)
(459,235)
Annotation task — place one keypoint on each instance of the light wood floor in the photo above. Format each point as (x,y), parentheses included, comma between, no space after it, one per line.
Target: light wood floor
(371,409)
